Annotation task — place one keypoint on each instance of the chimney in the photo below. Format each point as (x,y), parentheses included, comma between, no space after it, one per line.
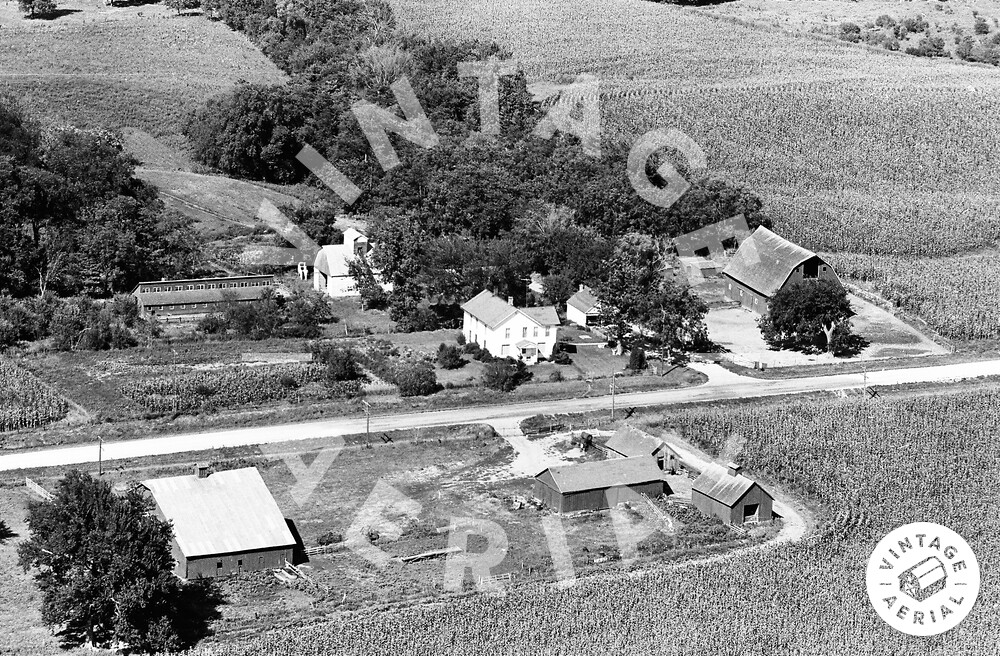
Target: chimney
(510,300)
(734,469)
(201,471)
(582,286)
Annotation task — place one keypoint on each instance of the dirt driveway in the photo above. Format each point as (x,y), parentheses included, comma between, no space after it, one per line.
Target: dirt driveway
(890,337)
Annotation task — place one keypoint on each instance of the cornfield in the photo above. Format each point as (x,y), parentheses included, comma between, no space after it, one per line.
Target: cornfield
(24,401)
(957,296)
(221,388)
(869,466)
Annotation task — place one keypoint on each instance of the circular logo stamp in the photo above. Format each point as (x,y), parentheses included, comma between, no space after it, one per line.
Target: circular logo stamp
(923,579)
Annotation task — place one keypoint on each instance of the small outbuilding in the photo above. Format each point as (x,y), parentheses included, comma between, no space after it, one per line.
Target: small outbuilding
(630,442)
(224,523)
(766,263)
(724,492)
(582,307)
(598,485)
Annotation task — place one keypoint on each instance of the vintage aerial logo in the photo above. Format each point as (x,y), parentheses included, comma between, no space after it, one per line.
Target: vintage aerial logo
(923,579)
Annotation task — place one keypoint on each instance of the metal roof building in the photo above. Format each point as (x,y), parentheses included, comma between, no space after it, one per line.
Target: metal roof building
(598,485)
(724,492)
(630,442)
(766,262)
(223,523)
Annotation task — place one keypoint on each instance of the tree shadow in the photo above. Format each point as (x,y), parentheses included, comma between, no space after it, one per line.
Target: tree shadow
(850,346)
(6,533)
(53,15)
(197,607)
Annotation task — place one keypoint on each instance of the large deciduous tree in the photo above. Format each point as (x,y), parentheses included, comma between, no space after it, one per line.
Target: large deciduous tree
(104,566)
(633,276)
(808,314)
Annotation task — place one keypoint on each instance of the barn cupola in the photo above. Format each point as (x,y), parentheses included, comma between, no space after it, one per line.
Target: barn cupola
(734,469)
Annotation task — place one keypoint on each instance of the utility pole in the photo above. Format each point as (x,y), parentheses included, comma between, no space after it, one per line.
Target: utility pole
(100,456)
(613,376)
(368,420)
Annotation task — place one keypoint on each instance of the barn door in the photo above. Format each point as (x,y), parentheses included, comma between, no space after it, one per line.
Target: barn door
(751,513)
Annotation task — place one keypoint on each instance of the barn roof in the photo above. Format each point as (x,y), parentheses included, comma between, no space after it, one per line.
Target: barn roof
(764,261)
(717,483)
(225,512)
(190,296)
(544,316)
(584,300)
(629,441)
(603,474)
(332,259)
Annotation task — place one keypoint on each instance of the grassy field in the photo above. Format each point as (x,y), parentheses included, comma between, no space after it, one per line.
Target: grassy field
(139,67)
(853,149)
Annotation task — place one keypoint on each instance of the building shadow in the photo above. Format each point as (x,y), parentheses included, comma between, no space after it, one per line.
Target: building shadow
(299,552)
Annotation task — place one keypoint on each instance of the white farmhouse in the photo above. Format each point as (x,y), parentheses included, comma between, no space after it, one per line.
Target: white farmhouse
(506,331)
(331,273)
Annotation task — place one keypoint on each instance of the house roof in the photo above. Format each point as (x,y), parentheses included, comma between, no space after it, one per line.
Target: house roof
(584,300)
(717,483)
(544,316)
(764,261)
(186,296)
(603,474)
(488,308)
(493,310)
(629,441)
(195,281)
(226,512)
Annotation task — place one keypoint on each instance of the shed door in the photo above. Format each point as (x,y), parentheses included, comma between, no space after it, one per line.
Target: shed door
(751,512)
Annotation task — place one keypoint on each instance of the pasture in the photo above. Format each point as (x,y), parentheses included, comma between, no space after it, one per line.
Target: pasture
(137,67)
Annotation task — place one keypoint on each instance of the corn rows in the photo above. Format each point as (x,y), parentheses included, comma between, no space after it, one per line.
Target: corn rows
(24,401)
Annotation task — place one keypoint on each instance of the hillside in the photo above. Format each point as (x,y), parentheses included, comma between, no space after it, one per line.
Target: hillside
(853,148)
(136,67)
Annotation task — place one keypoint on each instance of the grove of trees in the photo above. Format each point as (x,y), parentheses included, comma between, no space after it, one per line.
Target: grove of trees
(74,219)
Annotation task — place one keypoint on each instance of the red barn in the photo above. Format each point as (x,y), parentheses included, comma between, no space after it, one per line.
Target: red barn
(764,264)
(724,492)
(223,523)
(598,485)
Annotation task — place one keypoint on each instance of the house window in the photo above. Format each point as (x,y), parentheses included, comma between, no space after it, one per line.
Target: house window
(218,564)
(178,288)
(534,331)
(755,301)
(505,350)
(524,331)
(201,286)
(506,333)
(741,293)
(547,329)
(239,563)
(190,286)
(157,289)
(730,286)
(243,284)
(824,268)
